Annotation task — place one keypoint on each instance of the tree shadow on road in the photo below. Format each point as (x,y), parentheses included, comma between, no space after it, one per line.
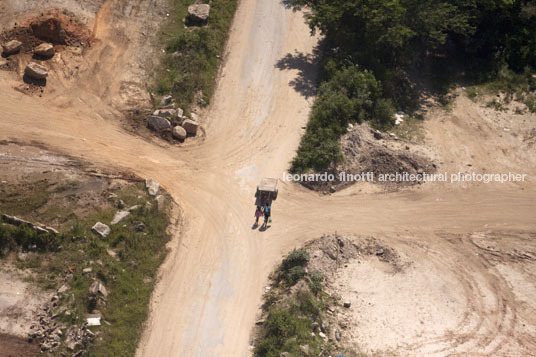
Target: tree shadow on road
(288,5)
(307,65)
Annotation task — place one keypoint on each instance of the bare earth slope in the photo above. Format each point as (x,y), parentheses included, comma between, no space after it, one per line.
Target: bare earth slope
(212,282)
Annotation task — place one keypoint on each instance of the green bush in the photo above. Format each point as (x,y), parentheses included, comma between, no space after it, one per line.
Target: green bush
(316,279)
(296,258)
(284,331)
(13,236)
(350,96)
(437,42)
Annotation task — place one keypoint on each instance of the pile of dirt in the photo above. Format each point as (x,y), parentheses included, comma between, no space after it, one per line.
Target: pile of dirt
(331,252)
(366,150)
(52,27)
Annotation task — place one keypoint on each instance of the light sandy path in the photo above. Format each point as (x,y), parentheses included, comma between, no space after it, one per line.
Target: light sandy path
(211,284)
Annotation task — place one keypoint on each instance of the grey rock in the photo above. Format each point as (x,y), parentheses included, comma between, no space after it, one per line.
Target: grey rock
(190,126)
(139,226)
(52,230)
(101,229)
(152,186)
(166,100)
(63,289)
(160,201)
(40,230)
(194,117)
(179,133)
(97,288)
(135,207)
(45,49)
(337,334)
(165,113)
(119,216)
(284,354)
(11,47)
(157,123)
(87,270)
(36,71)
(306,350)
(199,12)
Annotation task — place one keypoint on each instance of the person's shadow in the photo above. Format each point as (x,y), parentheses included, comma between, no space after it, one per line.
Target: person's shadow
(264,228)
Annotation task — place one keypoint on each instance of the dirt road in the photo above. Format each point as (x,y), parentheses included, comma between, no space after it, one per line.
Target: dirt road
(211,284)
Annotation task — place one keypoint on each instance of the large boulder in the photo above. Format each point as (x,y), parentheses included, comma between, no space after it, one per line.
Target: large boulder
(179,133)
(190,126)
(45,50)
(101,229)
(36,71)
(199,12)
(11,47)
(157,123)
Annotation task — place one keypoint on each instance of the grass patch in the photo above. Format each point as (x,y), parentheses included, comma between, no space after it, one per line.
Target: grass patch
(294,309)
(129,277)
(520,87)
(193,53)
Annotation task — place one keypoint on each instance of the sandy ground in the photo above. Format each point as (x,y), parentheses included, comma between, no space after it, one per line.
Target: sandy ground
(453,294)
(211,284)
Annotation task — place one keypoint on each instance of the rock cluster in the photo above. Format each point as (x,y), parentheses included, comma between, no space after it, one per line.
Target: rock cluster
(51,333)
(169,118)
(48,330)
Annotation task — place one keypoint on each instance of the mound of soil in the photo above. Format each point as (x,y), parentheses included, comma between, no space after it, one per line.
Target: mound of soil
(331,252)
(368,151)
(53,27)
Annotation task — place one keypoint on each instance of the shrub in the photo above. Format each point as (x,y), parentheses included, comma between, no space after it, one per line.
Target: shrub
(350,96)
(316,279)
(298,257)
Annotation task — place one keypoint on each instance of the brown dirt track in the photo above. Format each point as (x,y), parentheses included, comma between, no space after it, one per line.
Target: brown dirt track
(212,282)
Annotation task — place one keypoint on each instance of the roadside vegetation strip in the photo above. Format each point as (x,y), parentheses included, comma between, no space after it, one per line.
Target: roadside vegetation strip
(376,51)
(193,53)
(125,262)
(293,313)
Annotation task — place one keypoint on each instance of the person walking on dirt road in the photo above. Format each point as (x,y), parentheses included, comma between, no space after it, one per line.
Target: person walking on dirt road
(267,214)
(258,214)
